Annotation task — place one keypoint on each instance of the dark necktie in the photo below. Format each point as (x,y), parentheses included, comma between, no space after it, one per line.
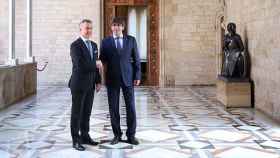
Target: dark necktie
(89,48)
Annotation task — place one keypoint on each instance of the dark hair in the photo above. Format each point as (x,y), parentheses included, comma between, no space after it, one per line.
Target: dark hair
(118,20)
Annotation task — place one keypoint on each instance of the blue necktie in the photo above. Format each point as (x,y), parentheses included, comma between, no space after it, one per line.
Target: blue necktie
(89,48)
(119,46)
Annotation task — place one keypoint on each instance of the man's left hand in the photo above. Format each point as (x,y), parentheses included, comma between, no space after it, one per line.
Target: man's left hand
(98,87)
(136,82)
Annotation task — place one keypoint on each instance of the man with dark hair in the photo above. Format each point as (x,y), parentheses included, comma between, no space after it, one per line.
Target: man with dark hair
(120,57)
(84,79)
(118,20)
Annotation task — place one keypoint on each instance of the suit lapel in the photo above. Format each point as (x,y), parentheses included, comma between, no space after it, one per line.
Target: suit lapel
(113,44)
(84,48)
(112,40)
(125,39)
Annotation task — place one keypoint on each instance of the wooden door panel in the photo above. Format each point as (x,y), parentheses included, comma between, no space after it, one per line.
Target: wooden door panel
(114,8)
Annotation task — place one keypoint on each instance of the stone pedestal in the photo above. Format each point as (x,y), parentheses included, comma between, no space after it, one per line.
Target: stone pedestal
(234,93)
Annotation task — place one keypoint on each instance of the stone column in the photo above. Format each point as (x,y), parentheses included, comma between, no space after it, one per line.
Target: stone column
(29,57)
(12,56)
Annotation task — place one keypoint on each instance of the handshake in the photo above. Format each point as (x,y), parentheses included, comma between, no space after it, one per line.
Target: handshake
(99,64)
(99,67)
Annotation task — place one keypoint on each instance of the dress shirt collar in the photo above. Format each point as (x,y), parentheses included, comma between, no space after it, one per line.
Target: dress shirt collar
(84,39)
(115,36)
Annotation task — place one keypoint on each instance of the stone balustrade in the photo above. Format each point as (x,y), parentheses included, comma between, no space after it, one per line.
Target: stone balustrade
(17,83)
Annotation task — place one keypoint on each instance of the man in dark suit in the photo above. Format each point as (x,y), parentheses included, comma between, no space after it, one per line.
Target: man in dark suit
(84,80)
(120,57)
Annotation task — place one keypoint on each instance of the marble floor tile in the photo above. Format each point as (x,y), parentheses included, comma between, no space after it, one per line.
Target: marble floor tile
(241,152)
(172,122)
(227,136)
(183,128)
(269,144)
(121,145)
(159,153)
(155,135)
(249,128)
(196,144)
(37,145)
(70,153)
(5,154)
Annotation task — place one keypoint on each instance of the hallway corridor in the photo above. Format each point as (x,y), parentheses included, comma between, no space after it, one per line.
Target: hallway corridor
(182,122)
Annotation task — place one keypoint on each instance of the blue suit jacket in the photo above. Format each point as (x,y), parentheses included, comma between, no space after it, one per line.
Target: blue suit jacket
(121,65)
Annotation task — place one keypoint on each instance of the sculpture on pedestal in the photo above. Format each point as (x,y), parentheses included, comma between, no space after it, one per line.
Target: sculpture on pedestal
(234,64)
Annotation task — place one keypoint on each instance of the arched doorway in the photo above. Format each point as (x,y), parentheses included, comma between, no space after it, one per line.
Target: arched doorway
(151,61)
(220,23)
(220,33)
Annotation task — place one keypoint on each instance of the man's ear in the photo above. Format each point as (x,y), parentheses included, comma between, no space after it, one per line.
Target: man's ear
(80,25)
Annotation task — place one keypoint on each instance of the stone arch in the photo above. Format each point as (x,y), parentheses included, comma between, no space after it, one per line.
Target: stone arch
(220,32)
(220,28)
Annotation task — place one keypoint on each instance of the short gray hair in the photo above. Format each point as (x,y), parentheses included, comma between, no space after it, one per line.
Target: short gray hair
(85,21)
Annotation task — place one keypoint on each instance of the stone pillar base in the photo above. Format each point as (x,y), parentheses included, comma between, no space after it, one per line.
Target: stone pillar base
(234,93)
(30,59)
(12,62)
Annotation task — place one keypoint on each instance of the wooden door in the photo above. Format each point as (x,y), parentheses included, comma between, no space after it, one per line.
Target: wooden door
(113,8)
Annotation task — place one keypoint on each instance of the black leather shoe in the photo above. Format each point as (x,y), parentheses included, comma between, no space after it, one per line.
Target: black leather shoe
(89,141)
(115,140)
(133,141)
(78,146)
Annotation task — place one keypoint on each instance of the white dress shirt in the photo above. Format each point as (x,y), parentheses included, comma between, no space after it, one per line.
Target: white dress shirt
(90,49)
(120,39)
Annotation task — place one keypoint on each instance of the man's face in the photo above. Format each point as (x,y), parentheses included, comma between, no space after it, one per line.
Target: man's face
(86,30)
(117,29)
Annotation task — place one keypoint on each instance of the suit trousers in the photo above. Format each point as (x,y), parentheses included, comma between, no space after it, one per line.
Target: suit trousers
(80,113)
(113,100)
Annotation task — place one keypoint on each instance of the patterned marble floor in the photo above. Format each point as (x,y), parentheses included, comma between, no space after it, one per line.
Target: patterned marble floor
(181,122)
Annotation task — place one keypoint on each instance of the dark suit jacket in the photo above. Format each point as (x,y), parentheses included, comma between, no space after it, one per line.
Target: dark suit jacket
(84,72)
(124,64)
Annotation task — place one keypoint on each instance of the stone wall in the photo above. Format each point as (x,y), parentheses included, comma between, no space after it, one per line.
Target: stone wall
(4,28)
(55,26)
(188,40)
(258,22)
(17,82)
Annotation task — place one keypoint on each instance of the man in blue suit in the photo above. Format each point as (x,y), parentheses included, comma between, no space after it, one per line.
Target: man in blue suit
(120,57)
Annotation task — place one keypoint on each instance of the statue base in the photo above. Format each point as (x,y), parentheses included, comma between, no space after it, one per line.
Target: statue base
(233,92)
